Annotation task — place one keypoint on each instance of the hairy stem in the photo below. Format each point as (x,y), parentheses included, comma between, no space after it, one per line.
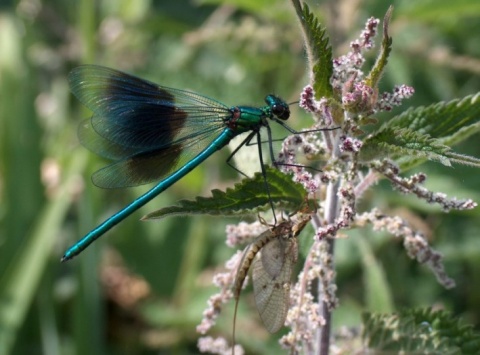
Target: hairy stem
(331,212)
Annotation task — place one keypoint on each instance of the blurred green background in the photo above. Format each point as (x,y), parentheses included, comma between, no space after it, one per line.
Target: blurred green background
(142,289)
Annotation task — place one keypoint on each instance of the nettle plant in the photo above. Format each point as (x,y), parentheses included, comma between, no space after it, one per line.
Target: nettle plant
(340,94)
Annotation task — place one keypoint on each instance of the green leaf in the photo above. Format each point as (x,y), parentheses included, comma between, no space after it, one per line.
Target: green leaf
(452,121)
(399,143)
(319,52)
(375,74)
(463,159)
(438,126)
(419,331)
(247,197)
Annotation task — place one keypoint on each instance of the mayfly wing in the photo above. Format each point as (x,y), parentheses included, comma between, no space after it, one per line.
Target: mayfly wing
(271,275)
(271,281)
(273,253)
(248,256)
(273,257)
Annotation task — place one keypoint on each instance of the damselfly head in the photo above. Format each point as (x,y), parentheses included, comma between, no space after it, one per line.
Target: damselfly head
(278,107)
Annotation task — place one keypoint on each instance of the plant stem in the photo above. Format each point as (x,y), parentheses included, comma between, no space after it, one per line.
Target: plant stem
(331,212)
(330,215)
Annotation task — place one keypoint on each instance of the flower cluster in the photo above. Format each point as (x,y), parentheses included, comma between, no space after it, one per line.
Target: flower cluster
(243,232)
(223,280)
(388,100)
(320,109)
(287,160)
(412,185)
(304,317)
(217,346)
(349,65)
(414,242)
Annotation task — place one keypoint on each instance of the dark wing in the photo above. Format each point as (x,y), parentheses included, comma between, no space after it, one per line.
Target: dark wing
(149,130)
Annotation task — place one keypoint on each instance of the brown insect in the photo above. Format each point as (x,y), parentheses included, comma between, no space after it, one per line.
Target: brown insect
(277,251)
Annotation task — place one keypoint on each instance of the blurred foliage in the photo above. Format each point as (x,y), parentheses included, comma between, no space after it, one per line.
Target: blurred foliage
(145,291)
(419,331)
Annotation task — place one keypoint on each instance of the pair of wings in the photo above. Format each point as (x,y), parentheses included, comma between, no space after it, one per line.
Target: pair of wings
(272,256)
(149,131)
(271,275)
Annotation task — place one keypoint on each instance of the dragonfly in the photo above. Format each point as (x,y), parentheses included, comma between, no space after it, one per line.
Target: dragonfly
(157,134)
(271,256)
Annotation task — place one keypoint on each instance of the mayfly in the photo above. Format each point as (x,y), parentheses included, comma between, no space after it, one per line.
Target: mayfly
(271,272)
